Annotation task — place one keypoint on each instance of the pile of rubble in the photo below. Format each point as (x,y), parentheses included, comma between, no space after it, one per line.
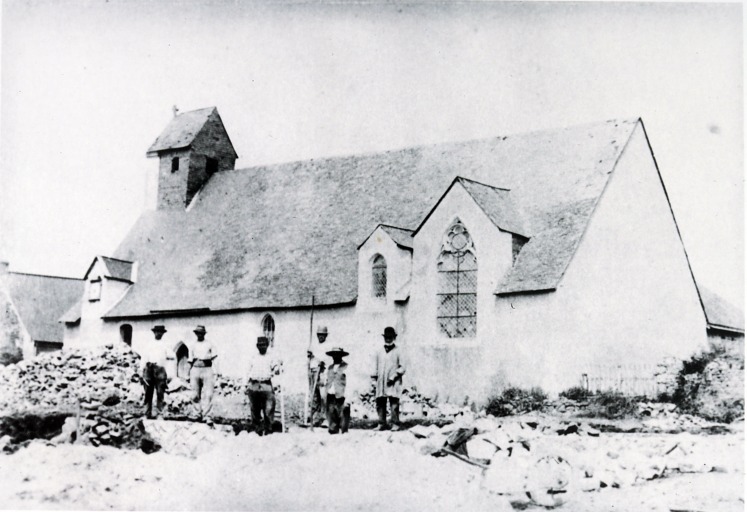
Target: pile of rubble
(95,378)
(665,417)
(412,405)
(59,380)
(541,460)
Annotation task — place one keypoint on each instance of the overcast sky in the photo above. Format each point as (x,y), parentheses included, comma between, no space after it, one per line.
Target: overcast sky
(87,87)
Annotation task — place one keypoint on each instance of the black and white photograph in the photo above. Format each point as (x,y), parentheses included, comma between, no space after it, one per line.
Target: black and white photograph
(372,255)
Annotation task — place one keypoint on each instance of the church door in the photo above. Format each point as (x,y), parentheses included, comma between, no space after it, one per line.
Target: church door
(182,362)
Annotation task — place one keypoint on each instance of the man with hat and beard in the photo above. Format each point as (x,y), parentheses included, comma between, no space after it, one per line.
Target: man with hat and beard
(153,371)
(387,379)
(338,412)
(262,367)
(202,373)
(317,381)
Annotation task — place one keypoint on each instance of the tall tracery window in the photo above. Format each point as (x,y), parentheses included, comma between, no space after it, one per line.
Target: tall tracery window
(268,329)
(457,284)
(378,276)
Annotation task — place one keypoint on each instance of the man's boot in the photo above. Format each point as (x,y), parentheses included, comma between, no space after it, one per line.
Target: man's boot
(381,411)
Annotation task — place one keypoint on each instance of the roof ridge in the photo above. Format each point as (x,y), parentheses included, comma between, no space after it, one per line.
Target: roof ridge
(45,275)
(436,144)
(462,178)
(395,227)
(196,110)
(116,259)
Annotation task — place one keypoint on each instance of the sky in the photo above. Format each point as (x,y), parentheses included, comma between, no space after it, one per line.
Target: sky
(87,86)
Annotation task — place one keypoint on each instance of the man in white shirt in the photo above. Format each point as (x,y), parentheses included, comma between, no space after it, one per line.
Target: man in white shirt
(317,380)
(202,373)
(153,371)
(262,367)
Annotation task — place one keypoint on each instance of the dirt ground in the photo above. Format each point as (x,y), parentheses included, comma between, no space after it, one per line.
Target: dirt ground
(305,470)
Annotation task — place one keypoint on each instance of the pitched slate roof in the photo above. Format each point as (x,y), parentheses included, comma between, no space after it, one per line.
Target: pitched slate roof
(181,130)
(720,314)
(298,235)
(40,300)
(118,269)
(495,202)
(72,315)
(115,268)
(554,238)
(400,236)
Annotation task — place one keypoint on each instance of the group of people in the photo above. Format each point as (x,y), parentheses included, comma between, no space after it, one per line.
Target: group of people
(327,398)
(202,372)
(327,385)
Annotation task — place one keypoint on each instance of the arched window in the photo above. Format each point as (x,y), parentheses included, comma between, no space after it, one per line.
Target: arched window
(378,277)
(457,284)
(182,362)
(268,328)
(125,334)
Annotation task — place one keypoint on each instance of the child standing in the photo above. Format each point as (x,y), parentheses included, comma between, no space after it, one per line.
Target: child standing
(338,412)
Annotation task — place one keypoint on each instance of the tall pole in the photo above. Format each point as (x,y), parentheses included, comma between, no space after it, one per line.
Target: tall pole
(308,371)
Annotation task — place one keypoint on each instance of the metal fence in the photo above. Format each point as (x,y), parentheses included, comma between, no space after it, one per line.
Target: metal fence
(630,379)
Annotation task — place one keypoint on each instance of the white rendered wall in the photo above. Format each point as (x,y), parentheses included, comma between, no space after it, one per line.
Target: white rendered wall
(235,334)
(452,367)
(627,297)
(398,268)
(92,330)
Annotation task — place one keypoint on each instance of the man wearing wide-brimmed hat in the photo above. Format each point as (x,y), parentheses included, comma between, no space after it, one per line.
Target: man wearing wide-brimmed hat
(153,358)
(338,412)
(202,373)
(387,379)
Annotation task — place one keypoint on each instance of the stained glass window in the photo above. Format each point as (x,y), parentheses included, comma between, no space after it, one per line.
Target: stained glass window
(457,284)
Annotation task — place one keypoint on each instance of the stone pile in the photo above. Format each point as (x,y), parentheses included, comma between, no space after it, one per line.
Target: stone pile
(184,438)
(412,404)
(541,460)
(664,417)
(58,380)
(96,429)
(99,377)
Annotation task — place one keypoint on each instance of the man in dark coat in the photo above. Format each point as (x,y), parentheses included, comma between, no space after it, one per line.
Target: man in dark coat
(387,378)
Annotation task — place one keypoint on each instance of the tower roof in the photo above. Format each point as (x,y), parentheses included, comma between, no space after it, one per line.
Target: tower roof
(182,130)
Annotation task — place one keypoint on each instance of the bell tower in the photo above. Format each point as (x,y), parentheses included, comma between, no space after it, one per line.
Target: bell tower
(192,147)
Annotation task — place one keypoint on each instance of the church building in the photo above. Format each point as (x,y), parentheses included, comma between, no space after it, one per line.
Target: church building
(531,260)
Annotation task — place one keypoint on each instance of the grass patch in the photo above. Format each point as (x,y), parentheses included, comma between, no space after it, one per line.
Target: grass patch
(516,401)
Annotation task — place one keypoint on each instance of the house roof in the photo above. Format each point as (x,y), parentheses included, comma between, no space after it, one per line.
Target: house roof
(720,314)
(114,268)
(543,259)
(400,236)
(181,130)
(298,236)
(40,300)
(72,315)
(118,269)
(495,202)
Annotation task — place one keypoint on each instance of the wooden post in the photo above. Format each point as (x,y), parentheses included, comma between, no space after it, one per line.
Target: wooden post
(77,421)
(308,368)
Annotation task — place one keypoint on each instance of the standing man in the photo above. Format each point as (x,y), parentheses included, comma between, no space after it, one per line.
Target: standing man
(388,380)
(153,371)
(262,367)
(202,374)
(317,381)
